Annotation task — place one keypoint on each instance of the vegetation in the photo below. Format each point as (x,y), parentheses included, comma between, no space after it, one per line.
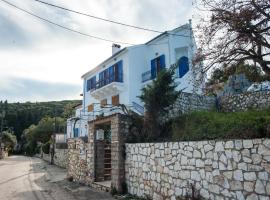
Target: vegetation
(19,116)
(9,140)
(214,125)
(236,31)
(252,72)
(41,133)
(158,98)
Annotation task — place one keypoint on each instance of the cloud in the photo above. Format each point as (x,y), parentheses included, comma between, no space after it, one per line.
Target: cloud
(16,89)
(49,57)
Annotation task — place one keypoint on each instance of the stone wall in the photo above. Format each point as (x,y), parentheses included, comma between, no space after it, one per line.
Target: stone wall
(235,169)
(61,157)
(190,102)
(78,159)
(245,101)
(83,164)
(46,157)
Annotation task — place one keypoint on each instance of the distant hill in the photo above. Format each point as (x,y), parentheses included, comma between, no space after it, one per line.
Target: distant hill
(20,116)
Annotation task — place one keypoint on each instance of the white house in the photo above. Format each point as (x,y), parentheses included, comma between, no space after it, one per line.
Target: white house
(120,78)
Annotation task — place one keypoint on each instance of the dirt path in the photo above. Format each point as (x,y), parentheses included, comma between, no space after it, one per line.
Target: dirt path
(24,178)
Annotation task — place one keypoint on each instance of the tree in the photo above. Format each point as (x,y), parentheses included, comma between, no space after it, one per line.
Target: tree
(252,72)
(159,97)
(237,31)
(9,140)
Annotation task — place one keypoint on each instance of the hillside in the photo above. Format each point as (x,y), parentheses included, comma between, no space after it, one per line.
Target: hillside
(20,116)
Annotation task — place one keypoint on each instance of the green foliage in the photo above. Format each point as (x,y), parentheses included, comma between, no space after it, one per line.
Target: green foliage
(252,72)
(46,147)
(42,132)
(9,140)
(158,99)
(20,116)
(202,125)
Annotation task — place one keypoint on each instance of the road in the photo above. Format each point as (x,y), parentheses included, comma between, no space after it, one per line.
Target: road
(25,178)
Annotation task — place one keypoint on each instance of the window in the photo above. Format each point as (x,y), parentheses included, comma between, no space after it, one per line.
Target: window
(91,83)
(103,102)
(76,132)
(115,100)
(90,108)
(183,66)
(157,65)
(111,74)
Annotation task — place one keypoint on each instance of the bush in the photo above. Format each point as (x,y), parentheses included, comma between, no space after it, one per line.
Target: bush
(202,125)
(9,140)
(46,148)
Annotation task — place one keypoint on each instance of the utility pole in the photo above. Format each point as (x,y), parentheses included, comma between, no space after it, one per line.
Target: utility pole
(53,138)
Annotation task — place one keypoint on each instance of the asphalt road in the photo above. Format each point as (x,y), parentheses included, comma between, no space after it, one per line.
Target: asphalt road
(25,178)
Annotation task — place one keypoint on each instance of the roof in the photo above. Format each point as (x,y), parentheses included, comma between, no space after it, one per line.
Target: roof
(127,48)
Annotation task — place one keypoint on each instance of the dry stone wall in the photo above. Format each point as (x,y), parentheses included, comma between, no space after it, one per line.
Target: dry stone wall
(235,169)
(78,159)
(245,101)
(61,157)
(191,102)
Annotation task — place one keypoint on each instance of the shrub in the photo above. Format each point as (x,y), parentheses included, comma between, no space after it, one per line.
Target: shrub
(9,140)
(202,125)
(46,148)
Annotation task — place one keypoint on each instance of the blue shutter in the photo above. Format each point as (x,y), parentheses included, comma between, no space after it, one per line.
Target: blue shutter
(88,85)
(100,79)
(111,74)
(76,132)
(153,68)
(120,71)
(162,62)
(183,66)
(93,83)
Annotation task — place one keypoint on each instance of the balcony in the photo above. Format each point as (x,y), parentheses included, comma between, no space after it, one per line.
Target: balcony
(146,76)
(111,85)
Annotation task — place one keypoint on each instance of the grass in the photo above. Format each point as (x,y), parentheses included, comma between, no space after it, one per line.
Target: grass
(202,125)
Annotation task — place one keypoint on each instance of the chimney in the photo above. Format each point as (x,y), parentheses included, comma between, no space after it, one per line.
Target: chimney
(115,48)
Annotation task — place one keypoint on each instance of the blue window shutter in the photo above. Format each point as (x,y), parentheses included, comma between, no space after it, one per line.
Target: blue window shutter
(88,85)
(183,66)
(162,61)
(120,71)
(111,74)
(100,79)
(153,68)
(93,82)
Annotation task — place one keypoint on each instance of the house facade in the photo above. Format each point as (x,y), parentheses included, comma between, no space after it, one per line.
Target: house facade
(118,80)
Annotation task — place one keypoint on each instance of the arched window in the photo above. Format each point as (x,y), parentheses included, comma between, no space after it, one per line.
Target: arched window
(183,66)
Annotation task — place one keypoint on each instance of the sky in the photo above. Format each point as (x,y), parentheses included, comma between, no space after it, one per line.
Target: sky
(41,62)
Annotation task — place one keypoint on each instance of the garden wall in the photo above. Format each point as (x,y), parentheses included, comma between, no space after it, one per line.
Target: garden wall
(245,101)
(192,102)
(46,157)
(235,169)
(61,157)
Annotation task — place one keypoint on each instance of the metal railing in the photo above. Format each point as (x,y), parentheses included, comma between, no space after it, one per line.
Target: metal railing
(146,76)
(109,79)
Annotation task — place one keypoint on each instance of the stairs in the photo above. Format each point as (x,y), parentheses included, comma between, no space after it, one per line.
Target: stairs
(107,161)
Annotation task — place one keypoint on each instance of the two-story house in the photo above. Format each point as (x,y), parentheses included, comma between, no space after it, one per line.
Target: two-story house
(120,78)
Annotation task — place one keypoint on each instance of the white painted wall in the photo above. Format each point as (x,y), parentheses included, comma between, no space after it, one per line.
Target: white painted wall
(137,60)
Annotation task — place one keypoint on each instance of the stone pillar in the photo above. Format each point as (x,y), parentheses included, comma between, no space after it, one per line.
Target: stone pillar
(119,130)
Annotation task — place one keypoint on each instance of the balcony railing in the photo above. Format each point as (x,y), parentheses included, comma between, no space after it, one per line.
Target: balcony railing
(146,76)
(110,79)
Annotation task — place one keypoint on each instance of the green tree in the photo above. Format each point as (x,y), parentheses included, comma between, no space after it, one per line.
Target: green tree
(9,140)
(159,98)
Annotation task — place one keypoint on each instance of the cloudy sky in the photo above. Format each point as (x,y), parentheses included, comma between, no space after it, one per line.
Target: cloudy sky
(41,62)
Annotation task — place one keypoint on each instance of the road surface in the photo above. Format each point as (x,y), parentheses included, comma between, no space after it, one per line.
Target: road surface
(25,178)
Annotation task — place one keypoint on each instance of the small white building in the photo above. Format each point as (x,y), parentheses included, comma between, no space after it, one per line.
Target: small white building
(120,78)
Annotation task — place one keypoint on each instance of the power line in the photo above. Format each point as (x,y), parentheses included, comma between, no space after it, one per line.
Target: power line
(107,20)
(63,27)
